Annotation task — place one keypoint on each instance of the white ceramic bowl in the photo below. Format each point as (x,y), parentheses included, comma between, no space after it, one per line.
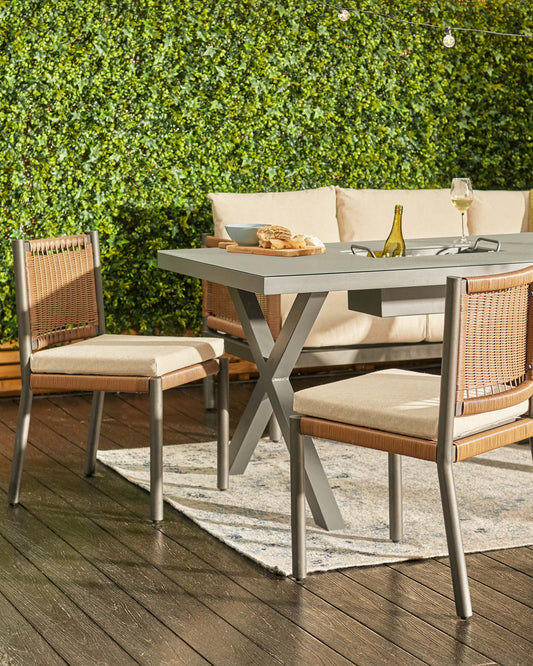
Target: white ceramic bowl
(244,234)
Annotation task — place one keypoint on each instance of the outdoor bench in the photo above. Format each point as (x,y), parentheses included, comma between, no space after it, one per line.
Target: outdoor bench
(339,335)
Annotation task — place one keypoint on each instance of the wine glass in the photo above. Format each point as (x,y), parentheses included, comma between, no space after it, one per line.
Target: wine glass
(462,195)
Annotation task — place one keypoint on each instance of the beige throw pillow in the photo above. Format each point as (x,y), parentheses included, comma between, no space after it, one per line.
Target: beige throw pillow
(498,212)
(367,214)
(309,212)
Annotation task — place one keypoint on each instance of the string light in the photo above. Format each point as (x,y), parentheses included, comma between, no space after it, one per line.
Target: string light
(449,39)
(344,14)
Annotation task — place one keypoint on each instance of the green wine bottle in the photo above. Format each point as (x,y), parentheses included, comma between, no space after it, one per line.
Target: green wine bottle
(395,244)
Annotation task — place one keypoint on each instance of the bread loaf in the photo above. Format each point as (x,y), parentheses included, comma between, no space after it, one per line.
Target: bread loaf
(280,238)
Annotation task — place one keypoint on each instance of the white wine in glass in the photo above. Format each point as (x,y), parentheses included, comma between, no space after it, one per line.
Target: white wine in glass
(462,195)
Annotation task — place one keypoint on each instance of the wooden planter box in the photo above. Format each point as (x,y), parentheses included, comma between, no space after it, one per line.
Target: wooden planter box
(9,370)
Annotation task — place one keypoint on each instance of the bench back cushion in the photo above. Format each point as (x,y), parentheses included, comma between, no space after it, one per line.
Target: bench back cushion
(498,212)
(367,214)
(310,212)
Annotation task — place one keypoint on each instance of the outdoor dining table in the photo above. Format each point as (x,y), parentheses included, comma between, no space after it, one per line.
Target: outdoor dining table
(382,287)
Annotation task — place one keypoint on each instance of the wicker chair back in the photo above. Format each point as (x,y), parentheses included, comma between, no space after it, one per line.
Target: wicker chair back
(62,299)
(495,363)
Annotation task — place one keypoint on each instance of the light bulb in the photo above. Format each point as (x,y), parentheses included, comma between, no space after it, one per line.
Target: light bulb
(449,39)
(344,14)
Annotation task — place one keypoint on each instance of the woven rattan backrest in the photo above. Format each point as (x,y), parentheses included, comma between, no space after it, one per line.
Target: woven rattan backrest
(495,342)
(62,297)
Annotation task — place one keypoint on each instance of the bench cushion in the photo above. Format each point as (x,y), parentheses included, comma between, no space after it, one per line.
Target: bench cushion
(498,212)
(368,214)
(310,212)
(126,355)
(338,326)
(405,402)
(435,328)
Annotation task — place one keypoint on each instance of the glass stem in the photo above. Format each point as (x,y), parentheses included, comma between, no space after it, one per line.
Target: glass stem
(463,224)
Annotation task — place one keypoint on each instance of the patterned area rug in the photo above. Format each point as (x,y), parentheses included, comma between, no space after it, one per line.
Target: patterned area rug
(253,516)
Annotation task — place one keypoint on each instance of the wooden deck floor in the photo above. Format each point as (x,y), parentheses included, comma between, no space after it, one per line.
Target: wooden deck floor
(86,578)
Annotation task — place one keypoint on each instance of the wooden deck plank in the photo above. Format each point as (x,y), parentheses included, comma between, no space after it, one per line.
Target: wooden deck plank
(501,577)
(520,559)
(123,416)
(487,603)
(178,427)
(386,618)
(20,642)
(179,408)
(175,608)
(128,623)
(46,607)
(82,581)
(335,628)
(112,427)
(484,636)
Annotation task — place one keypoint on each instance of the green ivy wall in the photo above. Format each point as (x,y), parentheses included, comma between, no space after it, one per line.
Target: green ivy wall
(122,116)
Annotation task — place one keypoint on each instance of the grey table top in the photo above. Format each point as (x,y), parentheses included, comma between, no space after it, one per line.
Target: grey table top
(339,270)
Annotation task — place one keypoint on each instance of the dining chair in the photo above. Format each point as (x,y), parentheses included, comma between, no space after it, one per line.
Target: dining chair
(482,401)
(64,347)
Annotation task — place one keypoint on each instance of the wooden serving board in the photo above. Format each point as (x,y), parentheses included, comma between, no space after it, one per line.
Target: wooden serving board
(275,253)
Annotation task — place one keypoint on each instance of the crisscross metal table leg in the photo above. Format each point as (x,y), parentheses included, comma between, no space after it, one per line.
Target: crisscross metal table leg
(273,392)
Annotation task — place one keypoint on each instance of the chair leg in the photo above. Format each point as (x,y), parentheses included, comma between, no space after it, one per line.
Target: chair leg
(223,424)
(156,449)
(21,439)
(531,445)
(395,497)
(93,437)
(461,590)
(209,392)
(296,448)
(274,431)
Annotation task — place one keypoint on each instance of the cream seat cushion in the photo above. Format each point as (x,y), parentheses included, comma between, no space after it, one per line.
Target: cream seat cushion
(126,355)
(498,212)
(404,402)
(367,214)
(338,326)
(310,212)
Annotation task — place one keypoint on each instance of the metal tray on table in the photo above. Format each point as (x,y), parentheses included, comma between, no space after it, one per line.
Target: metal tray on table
(481,244)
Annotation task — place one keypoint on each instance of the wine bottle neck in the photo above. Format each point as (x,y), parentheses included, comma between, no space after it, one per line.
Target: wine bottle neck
(397,221)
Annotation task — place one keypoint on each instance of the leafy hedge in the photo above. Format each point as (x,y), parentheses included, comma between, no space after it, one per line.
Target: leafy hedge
(122,116)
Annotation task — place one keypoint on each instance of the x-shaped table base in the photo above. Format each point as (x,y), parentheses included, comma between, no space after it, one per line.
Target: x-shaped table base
(273,392)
